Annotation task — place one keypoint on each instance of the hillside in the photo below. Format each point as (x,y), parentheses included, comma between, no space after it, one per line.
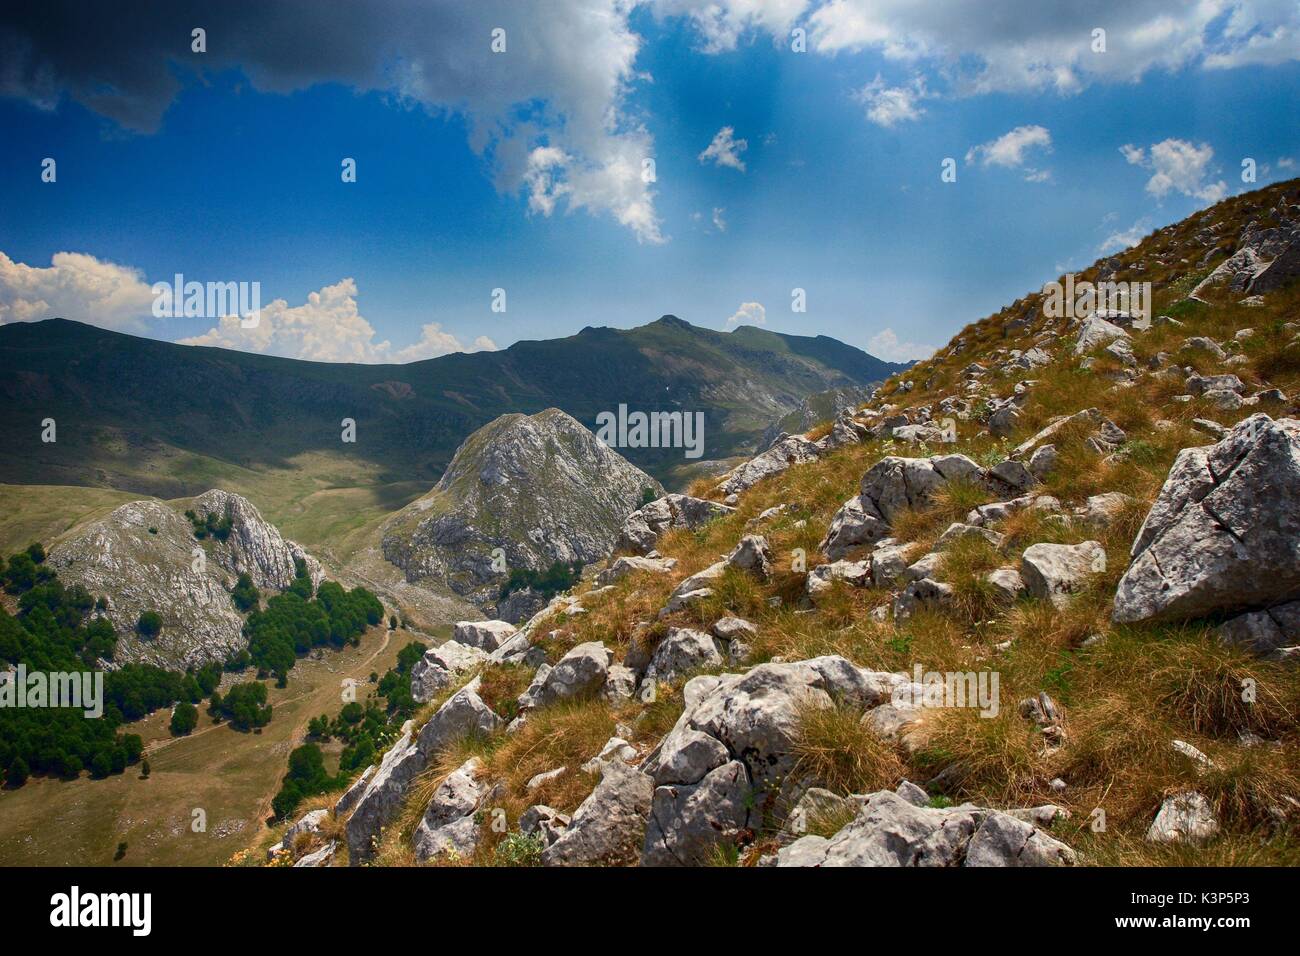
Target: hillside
(1088,523)
(171,420)
(144,556)
(540,488)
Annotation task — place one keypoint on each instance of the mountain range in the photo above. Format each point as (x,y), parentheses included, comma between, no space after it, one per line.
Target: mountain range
(131,413)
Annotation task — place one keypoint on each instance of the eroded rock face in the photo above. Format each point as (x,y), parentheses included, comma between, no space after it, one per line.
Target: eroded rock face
(142,557)
(448,825)
(791,450)
(542,488)
(608,828)
(889,830)
(731,750)
(463,714)
(641,530)
(1224,532)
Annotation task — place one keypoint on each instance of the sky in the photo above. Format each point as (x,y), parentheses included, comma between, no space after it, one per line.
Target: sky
(526,169)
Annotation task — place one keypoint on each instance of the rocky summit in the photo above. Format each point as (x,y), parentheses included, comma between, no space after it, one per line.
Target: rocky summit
(144,556)
(540,488)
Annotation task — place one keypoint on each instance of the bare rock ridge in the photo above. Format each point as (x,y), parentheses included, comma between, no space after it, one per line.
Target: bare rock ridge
(539,487)
(142,557)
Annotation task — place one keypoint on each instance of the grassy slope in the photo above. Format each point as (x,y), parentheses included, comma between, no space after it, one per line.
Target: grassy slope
(1123,700)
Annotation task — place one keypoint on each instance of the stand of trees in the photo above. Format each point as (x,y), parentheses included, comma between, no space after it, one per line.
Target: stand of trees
(245,594)
(294,622)
(210,525)
(558,577)
(244,705)
(54,631)
(365,729)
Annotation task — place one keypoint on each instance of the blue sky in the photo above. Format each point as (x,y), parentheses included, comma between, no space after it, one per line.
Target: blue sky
(477,171)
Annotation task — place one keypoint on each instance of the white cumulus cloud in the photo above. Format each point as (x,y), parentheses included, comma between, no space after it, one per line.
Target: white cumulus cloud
(721,23)
(1177,165)
(749,313)
(885,344)
(725,150)
(75,286)
(328,327)
(1026,45)
(1010,151)
(889,105)
(1122,239)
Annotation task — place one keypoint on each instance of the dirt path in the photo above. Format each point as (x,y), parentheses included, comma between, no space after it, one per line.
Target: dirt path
(158,745)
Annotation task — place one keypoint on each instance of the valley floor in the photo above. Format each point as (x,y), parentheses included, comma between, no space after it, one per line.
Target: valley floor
(230,776)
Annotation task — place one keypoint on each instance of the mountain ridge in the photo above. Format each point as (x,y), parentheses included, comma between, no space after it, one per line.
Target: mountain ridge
(120,399)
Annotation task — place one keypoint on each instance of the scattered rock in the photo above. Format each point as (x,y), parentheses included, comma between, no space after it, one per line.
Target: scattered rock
(580,673)
(625,565)
(1184,817)
(608,828)
(682,651)
(440,667)
(544,821)
(853,573)
(1055,571)
(890,831)
(484,635)
(1224,532)
(643,527)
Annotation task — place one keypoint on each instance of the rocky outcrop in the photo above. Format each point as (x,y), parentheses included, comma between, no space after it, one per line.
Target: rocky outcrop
(540,488)
(1056,571)
(485,635)
(682,651)
(520,605)
(463,714)
(1224,533)
(608,828)
(143,556)
(731,751)
(440,667)
(791,450)
(448,826)
(889,830)
(625,565)
(1281,271)
(580,673)
(894,484)
(643,527)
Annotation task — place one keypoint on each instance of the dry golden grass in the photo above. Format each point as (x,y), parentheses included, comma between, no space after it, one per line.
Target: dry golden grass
(501,684)
(834,747)
(1123,700)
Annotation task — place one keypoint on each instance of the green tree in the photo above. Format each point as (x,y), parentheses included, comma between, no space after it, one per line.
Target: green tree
(150,624)
(18,773)
(245,593)
(184,719)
